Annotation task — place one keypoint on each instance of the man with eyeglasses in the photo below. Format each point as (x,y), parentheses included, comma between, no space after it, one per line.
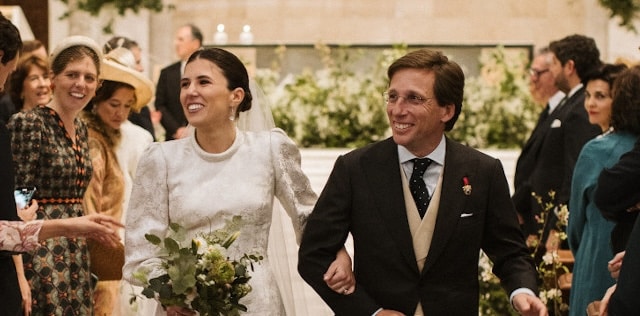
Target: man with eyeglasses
(547,160)
(545,93)
(417,238)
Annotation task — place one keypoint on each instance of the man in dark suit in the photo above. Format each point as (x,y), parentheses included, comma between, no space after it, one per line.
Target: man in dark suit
(188,40)
(547,159)
(544,92)
(618,198)
(417,238)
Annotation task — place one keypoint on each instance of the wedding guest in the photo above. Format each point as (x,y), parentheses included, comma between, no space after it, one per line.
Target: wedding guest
(30,84)
(588,231)
(542,87)
(132,143)
(544,92)
(29,87)
(7,106)
(219,172)
(551,153)
(10,46)
(621,299)
(122,90)
(617,196)
(51,153)
(18,236)
(188,39)
(399,209)
(145,117)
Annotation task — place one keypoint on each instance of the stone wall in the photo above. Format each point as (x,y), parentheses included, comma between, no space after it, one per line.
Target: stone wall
(391,21)
(434,22)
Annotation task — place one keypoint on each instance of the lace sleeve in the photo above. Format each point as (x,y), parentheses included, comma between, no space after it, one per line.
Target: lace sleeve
(293,188)
(148,213)
(19,236)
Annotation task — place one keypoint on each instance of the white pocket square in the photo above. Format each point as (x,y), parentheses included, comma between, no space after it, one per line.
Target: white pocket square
(466,215)
(556,123)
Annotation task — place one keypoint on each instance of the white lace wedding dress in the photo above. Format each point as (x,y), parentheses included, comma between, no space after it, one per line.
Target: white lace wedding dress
(179,182)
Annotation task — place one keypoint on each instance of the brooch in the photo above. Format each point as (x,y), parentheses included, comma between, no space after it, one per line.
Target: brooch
(466,188)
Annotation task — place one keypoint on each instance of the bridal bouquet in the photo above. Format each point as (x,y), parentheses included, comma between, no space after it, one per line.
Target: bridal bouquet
(199,275)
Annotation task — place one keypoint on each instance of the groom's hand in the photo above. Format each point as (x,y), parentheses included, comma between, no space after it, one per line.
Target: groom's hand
(529,305)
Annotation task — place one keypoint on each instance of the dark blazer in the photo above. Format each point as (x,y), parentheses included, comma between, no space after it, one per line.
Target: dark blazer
(548,157)
(364,197)
(168,100)
(618,190)
(11,299)
(624,300)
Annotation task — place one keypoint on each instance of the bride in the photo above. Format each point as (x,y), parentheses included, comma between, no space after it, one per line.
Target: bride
(221,171)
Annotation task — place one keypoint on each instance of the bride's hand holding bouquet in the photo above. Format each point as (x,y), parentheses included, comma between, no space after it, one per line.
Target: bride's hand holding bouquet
(199,276)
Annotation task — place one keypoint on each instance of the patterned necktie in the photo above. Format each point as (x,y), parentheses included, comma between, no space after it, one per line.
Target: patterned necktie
(417,186)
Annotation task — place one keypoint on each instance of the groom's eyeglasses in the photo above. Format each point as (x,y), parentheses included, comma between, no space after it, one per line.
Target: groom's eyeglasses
(392,98)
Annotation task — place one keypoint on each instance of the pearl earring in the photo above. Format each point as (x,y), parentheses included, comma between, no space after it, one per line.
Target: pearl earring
(232,116)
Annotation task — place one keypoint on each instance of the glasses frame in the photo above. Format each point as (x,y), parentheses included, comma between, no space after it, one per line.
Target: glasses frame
(417,101)
(537,73)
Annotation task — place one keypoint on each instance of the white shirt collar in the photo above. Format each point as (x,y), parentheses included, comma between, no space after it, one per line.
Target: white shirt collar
(573,91)
(555,99)
(437,155)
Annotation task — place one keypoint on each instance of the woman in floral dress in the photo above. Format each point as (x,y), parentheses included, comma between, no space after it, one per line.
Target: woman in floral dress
(51,152)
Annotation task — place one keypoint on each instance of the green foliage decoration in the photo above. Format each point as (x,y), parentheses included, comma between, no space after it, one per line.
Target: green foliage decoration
(337,106)
(334,106)
(94,6)
(625,10)
(497,111)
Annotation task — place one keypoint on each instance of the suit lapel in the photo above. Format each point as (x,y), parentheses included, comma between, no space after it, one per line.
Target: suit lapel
(382,172)
(452,199)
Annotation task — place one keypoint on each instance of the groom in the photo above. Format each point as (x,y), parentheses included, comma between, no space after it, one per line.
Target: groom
(405,263)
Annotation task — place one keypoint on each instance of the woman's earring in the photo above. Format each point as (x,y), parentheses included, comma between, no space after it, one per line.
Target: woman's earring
(232,116)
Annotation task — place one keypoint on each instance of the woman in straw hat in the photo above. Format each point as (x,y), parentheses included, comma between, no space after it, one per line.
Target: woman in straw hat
(122,90)
(51,153)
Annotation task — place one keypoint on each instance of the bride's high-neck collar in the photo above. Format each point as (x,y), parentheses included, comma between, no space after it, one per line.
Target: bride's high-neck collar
(215,141)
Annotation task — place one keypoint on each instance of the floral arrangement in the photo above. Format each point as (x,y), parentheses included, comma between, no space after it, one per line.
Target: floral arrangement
(497,110)
(334,106)
(495,301)
(550,268)
(200,276)
(341,105)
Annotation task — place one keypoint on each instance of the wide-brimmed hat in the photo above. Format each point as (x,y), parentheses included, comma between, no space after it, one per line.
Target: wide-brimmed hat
(114,68)
(75,40)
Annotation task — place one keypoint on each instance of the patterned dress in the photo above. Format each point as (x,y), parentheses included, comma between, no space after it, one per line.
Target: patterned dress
(47,158)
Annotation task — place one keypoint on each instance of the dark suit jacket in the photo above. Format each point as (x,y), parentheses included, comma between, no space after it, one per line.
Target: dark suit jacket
(168,100)
(548,157)
(10,300)
(364,197)
(624,300)
(618,190)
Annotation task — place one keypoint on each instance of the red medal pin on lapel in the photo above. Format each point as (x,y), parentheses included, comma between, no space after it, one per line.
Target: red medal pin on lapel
(466,188)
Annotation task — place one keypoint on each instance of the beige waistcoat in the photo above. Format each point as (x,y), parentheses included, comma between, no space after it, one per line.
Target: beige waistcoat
(421,229)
